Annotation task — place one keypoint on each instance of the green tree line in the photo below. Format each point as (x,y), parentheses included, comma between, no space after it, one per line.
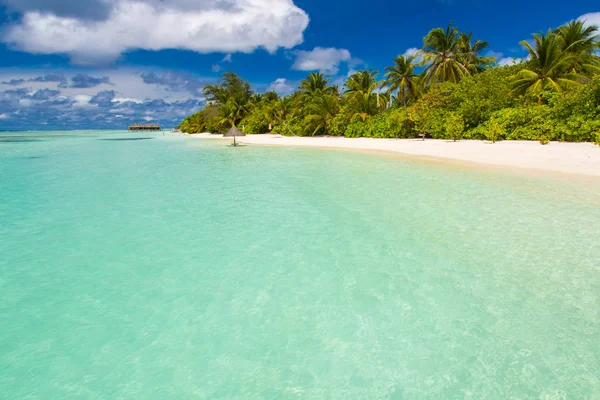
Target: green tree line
(446,90)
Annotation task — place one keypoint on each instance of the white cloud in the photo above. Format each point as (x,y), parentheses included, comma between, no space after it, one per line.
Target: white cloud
(591,18)
(215,68)
(496,54)
(412,52)
(202,26)
(325,60)
(3,116)
(281,86)
(509,61)
(82,101)
(227,58)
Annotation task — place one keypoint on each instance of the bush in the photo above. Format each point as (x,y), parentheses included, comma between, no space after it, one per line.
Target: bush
(255,122)
(356,129)
(337,125)
(544,140)
(455,126)
(291,124)
(494,131)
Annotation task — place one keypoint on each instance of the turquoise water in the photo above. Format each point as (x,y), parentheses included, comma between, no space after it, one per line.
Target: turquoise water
(172,268)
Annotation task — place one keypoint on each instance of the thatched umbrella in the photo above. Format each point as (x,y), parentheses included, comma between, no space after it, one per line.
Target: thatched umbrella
(234,132)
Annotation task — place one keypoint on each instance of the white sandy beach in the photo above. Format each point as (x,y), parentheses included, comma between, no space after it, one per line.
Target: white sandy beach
(568,158)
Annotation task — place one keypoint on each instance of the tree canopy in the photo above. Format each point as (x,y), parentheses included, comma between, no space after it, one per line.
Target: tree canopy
(448,89)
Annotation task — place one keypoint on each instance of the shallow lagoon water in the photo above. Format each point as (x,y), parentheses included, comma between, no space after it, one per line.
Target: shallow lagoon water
(180,268)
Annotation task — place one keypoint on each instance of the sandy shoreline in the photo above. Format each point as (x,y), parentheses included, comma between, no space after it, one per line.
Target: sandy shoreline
(567,158)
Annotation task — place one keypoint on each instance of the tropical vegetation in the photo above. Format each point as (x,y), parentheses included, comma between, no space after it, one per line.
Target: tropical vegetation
(450,89)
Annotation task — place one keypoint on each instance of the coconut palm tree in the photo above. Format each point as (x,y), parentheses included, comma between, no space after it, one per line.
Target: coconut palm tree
(362,96)
(233,111)
(441,56)
(401,78)
(270,96)
(315,83)
(470,53)
(548,67)
(321,110)
(581,40)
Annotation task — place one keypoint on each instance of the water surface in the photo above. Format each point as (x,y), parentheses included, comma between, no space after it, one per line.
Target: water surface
(179,268)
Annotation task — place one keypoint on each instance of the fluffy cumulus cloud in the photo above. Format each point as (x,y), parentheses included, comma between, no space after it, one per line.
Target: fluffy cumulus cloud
(591,18)
(228,26)
(413,51)
(281,86)
(509,61)
(325,60)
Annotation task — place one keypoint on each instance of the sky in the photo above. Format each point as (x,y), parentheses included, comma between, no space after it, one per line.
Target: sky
(104,64)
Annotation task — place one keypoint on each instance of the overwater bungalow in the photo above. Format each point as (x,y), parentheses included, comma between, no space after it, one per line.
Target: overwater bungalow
(144,127)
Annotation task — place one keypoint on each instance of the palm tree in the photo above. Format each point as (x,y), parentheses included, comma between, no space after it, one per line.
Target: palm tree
(401,78)
(233,111)
(581,40)
(548,67)
(270,96)
(470,53)
(361,95)
(441,55)
(315,83)
(321,110)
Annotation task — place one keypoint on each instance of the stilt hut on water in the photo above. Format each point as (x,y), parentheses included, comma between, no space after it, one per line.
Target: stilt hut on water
(144,127)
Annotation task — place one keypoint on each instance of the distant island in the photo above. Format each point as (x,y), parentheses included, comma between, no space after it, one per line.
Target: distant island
(450,89)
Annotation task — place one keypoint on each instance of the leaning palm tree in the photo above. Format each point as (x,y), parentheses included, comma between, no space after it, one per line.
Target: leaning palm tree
(441,56)
(582,40)
(470,53)
(401,78)
(548,67)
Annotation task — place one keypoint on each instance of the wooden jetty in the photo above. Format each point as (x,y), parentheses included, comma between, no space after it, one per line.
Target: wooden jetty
(144,127)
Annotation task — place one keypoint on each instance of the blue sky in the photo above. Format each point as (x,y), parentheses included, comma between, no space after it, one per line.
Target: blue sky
(82,64)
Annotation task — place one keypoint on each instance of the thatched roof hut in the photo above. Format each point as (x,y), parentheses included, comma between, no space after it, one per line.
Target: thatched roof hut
(233,132)
(144,127)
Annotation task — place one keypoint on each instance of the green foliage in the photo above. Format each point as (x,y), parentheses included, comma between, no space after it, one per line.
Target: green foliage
(455,126)
(292,126)
(458,95)
(338,125)
(544,140)
(356,129)
(205,120)
(255,122)
(494,131)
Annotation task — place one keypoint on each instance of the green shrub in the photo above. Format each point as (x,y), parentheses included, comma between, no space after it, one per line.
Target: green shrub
(455,126)
(289,127)
(544,140)
(494,131)
(337,125)
(255,122)
(356,129)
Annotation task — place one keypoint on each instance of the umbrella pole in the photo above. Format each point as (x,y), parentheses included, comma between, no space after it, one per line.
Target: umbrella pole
(234,143)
